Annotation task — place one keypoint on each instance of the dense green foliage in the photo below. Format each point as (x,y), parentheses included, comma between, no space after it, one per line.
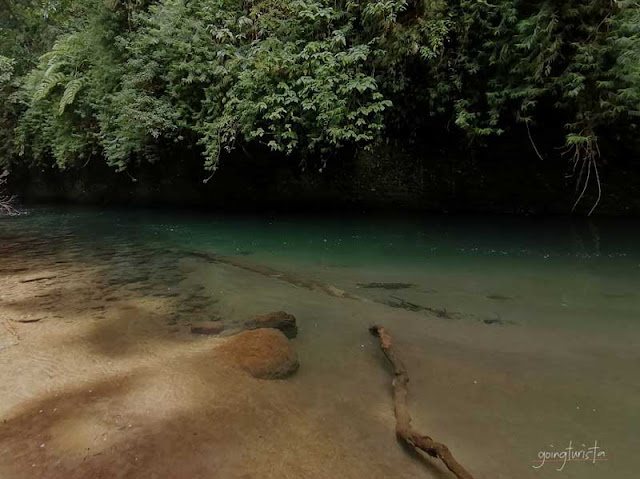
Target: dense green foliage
(124,80)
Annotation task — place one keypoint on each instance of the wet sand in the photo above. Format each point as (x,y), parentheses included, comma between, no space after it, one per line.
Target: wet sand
(107,381)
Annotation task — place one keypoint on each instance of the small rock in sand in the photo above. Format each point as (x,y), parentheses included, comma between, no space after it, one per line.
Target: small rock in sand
(285,322)
(207,327)
(263,353)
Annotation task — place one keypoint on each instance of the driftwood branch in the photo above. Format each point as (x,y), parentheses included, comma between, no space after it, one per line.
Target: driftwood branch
(26,321)
(290,278)
(404,430)
(39,278)
(6,206)
(6,201)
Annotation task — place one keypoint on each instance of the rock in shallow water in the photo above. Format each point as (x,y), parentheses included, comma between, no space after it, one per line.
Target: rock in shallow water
(263,353)
(207,327)
(385,285)
(285,322)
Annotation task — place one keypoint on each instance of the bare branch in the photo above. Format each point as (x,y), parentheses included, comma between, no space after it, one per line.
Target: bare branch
(595,167)
(586,155)
(586,183)
(7,201)
(404,430)
(535,148)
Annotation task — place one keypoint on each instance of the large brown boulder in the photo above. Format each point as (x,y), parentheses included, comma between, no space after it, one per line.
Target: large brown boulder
(281,320)
(263,353)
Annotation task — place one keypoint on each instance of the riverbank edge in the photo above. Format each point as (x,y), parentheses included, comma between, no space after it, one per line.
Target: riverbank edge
(390,179)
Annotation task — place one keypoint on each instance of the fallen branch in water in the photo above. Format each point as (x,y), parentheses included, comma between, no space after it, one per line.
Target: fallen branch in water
(7,201)
(396,302)
(39,278)
(404,430)
(25,321)
(6,206)
(309,284)
(326,288)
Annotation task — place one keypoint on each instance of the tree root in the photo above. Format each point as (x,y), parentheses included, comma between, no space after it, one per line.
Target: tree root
(404,430)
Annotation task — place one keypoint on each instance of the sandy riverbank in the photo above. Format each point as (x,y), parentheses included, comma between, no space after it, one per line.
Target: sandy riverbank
(107,381)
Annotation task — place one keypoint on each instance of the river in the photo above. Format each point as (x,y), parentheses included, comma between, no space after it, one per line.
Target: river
(520,337)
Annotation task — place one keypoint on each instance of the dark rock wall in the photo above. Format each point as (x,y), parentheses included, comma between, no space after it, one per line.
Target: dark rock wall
(507,178)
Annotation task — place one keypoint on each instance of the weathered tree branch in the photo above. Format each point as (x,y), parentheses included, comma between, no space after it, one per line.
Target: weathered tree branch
(290,278)
(7,208)
(404,430)
(6,201)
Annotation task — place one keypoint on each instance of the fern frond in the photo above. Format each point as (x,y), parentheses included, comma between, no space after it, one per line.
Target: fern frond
(70,92)
(47,84)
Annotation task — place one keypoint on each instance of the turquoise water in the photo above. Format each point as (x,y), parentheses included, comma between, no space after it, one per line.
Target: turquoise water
(607,247)
(482,266)
(527,328)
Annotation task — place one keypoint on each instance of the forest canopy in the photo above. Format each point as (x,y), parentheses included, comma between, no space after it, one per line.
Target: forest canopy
(123,80)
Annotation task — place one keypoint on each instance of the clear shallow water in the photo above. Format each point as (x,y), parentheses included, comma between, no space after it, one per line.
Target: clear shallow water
(528,328)
(610,248)
(495,267)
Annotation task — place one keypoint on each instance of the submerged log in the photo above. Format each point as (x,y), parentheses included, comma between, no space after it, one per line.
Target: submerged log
(39,278)
(263,270)
(404,430)
(26,320)
(392,286)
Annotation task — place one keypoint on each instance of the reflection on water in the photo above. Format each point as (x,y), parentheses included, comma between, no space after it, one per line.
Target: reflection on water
(519,334)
